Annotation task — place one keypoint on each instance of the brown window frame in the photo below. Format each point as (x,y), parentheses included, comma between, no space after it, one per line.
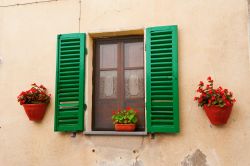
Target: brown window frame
(120,77)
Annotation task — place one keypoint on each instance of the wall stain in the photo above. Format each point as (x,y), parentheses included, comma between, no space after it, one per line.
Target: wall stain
(138,163)
(196,159)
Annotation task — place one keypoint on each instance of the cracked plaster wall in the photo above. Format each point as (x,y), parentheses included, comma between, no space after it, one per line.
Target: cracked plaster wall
(213,41)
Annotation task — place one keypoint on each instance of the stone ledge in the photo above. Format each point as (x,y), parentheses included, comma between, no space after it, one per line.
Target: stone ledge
(134,133)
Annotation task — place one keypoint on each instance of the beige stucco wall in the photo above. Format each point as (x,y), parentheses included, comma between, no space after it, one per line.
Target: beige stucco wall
(213,40)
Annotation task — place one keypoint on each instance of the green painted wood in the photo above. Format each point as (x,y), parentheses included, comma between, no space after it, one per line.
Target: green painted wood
(162,99)
(70,83)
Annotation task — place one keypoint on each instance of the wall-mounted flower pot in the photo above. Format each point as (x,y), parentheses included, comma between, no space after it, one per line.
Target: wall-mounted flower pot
(218,115)
(124,127)
(35,112)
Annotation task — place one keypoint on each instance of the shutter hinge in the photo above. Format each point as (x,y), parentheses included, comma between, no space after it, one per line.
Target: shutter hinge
(152,135)
(73,134)
(84,107)
(86,51)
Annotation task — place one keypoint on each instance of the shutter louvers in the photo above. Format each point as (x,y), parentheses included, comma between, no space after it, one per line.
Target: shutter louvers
(69,95)
(162,100)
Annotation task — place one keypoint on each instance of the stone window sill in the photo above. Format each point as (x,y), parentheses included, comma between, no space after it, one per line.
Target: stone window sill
(135,133)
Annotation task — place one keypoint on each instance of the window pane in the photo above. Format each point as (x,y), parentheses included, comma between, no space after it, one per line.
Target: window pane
(134,83)
(134,54)
(108,84)
(108,56)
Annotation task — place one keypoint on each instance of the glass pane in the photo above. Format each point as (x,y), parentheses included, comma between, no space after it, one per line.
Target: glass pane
(134,54)
(134,83)
(108,84)
(108,56)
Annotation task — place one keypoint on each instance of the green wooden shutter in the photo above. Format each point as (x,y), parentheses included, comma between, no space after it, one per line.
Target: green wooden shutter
(70,78)
(162,101)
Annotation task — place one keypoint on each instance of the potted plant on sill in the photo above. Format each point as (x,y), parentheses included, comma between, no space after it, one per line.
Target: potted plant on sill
(125,120)
(34,101)
(217,103)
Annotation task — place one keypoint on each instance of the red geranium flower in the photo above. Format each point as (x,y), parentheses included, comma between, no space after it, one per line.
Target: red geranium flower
(128,108)
(211,96)
(36,94)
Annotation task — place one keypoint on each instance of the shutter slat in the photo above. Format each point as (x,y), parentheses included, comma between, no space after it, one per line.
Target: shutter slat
(65,99)
(70,64)
(69,56)
(68,114)
(160,59)
(156,69)
(69,104)
(63,73)
(69,77)
(69,81)
(157,37)
(166,54)
(163,92)
(69,90)
(162,79)
(69,94)
(161,73)
(158,64)
(71,47)
(66,52)
(70,60)
(162,116)
(161,88)
(161,40)
(162,112)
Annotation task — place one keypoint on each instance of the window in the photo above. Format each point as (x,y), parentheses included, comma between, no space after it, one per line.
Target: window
(118,80)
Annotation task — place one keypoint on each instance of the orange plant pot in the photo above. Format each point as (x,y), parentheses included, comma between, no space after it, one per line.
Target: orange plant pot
(124,127)
(218,115)
(35,112)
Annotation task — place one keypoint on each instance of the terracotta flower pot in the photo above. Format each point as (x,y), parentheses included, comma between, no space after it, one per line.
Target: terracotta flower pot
(35,112)
(124,127)
(218,115)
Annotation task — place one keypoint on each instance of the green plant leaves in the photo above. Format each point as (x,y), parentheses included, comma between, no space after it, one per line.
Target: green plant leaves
(125,117)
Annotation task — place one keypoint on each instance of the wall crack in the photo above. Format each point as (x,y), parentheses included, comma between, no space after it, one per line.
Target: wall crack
(139,151)
(28,3)
(80,13)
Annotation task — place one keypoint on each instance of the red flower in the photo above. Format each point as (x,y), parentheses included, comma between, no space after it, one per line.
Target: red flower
(200,100)
(33,90)
(201,83)
(211,96)
(228,103)
(113,112)
(128,108)
(199,90)
(209,79)
(36,94)
(43,87)
(224,98)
